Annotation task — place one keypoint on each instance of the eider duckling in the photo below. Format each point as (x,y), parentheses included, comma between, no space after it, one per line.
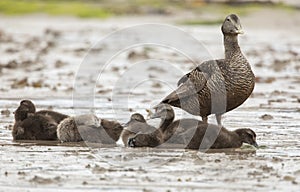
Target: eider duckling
(164,133)
(224,139)
(172,130)
(89,128)
(35,127)
(138,125)
(27,108)
(32,125)
(216,86)
(194,134)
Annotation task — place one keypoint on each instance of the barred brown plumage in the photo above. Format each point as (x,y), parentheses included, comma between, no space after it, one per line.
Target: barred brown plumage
(216,86)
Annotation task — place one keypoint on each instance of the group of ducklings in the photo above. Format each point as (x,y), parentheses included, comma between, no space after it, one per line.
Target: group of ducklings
(200,92)
(184,133)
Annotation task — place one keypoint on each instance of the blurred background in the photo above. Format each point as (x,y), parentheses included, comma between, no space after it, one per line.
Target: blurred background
(106,8)
(44,42)
(56,34)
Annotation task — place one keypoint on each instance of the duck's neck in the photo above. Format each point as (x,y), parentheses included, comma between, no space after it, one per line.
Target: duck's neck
(237,138)
(228,139)
(165,123)
(21,115)
(231,45)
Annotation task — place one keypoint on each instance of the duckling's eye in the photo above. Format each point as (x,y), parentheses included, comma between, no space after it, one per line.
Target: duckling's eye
(249,135)
(227,19)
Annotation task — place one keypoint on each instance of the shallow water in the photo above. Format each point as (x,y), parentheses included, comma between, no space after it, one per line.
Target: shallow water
(273,112)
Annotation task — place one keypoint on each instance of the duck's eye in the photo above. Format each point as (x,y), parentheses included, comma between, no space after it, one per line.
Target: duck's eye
(227,19)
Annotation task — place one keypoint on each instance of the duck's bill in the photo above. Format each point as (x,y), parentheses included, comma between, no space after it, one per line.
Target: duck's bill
(239,31)
(125,124)
(154,116)
(255,144)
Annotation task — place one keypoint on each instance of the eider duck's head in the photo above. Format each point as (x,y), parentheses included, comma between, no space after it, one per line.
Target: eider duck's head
(247,136)
(232,25)
(25,108)
(163,111)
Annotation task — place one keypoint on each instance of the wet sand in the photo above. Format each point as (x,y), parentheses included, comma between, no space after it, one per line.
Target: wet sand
(40,60)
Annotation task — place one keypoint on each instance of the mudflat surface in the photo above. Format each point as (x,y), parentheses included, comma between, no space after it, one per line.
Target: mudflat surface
(40,58)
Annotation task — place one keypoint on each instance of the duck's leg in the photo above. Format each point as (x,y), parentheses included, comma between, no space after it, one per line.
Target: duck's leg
(204,119)
(219,117)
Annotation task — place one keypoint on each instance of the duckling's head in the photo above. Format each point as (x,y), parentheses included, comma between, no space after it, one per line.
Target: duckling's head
(232,25)
(28,104)
(67,130)
(247,136)
(137,117)
(25,108)
(163,111)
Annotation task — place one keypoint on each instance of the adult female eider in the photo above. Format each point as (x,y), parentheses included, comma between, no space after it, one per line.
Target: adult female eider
(192,134)
(216,86)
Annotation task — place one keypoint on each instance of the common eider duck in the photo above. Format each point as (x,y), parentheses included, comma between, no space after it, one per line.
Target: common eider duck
(216,86)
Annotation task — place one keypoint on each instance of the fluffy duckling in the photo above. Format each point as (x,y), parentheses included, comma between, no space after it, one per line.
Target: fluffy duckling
(32,125)
(89,128)
(35,127)
(164,133)
(27,108)
(138,125)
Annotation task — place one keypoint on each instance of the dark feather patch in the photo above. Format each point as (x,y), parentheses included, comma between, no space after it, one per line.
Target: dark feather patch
(234,18)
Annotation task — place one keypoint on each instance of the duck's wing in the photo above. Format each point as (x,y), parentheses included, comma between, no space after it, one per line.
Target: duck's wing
(184,90)
(202,72)
(194,81)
